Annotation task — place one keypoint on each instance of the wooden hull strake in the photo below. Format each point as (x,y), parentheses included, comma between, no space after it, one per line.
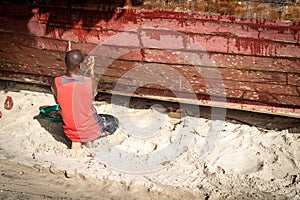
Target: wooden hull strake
(212,60)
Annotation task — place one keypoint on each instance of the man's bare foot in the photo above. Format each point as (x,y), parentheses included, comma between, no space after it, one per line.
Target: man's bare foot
(89,144)
(106,133)
(76,145)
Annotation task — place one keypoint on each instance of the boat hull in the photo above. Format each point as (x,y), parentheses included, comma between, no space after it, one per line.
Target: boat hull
(212,60)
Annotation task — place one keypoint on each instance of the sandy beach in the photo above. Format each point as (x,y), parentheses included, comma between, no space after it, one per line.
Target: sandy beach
(161,151)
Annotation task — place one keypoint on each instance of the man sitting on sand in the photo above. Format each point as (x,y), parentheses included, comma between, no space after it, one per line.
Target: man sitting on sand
(75,93)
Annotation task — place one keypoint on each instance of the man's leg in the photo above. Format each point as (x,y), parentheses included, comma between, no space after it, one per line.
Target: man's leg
(76,145)
(89,144)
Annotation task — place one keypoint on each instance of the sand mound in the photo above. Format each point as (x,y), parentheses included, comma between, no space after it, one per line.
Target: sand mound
(155,150)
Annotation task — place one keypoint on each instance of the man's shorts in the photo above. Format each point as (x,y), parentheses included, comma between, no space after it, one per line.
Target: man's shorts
(108,123)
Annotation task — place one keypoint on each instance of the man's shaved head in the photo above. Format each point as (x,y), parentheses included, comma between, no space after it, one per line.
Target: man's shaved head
(73,59)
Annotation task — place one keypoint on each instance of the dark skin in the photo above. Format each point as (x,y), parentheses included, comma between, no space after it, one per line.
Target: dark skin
(73,61)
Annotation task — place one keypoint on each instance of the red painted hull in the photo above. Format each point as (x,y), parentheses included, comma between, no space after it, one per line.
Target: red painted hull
(241,63)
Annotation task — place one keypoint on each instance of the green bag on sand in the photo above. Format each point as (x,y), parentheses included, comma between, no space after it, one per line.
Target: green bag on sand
(51,113)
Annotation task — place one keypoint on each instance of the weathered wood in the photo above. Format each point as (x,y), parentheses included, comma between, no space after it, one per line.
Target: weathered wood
(245,106)
(253,62)
(253,9)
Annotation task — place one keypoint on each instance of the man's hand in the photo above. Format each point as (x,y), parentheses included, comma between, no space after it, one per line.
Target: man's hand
(90,66)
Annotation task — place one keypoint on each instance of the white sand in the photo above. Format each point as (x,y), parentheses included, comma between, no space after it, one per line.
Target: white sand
(159,152)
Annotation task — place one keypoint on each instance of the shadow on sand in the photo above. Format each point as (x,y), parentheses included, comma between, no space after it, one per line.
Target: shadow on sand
(54,128)
(259,120)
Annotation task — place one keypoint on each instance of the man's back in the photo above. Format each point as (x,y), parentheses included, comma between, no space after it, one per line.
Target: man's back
(75,97)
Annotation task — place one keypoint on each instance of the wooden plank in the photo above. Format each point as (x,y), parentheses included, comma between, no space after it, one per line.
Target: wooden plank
(245,38)
(253,9)
(25,78)
(282,111)
(201,100)
(13,42)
